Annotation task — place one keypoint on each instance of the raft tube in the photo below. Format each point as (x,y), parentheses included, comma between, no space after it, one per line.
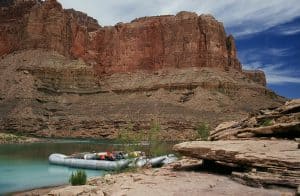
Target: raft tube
(154,162)
(169,159)
(61,159)
(157,161)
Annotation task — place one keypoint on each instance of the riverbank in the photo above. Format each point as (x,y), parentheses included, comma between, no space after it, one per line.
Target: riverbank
(7,138)
(161,181)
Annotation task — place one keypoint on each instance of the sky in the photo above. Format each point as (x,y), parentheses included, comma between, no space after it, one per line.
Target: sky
(267,32)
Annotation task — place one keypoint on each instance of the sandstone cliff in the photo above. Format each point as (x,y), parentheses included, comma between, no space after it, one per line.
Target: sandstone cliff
(29,24)
(62,74)
(184,40)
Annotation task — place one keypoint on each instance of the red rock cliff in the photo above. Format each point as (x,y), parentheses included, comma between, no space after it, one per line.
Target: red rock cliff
(27,24)
(184,40)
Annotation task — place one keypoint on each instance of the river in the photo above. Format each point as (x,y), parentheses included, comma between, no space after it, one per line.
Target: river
(25,166)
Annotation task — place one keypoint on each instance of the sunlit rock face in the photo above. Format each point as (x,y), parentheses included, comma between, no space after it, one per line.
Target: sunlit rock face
(35,24)
(184,40)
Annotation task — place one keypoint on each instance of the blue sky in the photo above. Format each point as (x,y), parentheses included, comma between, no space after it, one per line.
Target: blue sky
(267,32)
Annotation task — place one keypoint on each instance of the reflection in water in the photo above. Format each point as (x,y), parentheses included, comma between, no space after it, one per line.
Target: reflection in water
(25,166)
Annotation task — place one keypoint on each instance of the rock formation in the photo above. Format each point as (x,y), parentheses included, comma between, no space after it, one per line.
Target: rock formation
(27,24)
(184,40)
(262,162)
(262,150)
(63,75)
(282,122)
(256,76)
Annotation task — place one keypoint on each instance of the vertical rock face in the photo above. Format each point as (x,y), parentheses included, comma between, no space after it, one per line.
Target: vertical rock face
(12,23)
(184,40)
(65,31)
(30,24)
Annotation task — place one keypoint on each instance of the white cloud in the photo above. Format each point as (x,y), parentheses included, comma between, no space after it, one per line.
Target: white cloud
(280,52)
(289,30)
(243,16)
(257,54)
(277,73)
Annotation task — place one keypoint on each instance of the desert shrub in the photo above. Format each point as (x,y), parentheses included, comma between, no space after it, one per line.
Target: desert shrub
(266,122)
(156,147)
(203,130)
(154,131)
(78,178)
(127,138)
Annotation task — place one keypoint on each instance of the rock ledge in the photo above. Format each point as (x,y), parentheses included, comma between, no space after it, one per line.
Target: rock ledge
(265,162)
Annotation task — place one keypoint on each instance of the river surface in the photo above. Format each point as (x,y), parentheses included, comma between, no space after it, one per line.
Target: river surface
(25,166)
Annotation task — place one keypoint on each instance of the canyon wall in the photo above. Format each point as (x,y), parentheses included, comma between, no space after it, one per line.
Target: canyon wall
(184,40)
(150,43)
(28,24)
(63,75)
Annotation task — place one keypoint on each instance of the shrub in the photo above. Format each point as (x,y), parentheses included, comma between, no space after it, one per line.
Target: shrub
(127,138)
(154,131)
(266,122)
(78,178)
(203,130)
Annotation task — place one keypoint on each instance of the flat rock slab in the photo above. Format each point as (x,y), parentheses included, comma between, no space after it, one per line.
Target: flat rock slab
(278,157)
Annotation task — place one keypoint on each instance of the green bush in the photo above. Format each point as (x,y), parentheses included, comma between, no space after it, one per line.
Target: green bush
(78,178)
(203,130)
(266,122)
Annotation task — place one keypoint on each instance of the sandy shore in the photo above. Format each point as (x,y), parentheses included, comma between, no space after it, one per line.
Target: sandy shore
(164,181)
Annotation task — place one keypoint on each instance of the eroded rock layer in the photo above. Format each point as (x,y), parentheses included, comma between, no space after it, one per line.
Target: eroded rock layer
(46,94)
(262,150)
(281,122)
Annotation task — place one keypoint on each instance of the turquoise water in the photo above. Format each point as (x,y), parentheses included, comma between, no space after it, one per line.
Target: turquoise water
(23,175)
(25,166)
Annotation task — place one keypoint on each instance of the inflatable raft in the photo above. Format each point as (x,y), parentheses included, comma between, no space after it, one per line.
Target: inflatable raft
(86,161)
(60,159)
